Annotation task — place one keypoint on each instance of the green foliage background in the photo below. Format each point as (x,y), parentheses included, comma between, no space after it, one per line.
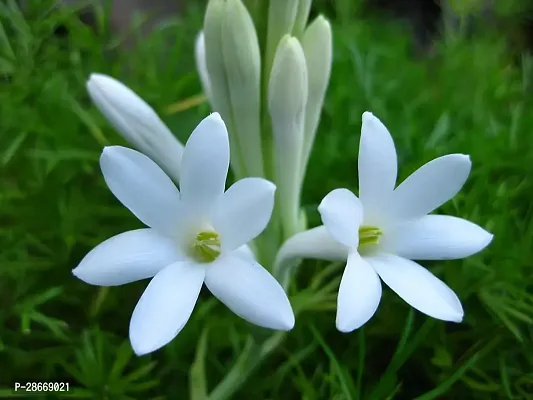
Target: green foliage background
(468,95)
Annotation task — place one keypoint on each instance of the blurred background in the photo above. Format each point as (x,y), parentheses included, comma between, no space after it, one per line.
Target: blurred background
(445,77)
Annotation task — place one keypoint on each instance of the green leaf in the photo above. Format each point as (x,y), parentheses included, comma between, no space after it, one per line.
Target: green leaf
(197,373)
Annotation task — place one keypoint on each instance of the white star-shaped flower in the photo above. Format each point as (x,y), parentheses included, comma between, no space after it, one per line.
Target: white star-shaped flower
(385,228)
(195,235)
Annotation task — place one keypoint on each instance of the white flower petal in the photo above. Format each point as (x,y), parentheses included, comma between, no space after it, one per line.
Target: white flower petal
(243,212)
(249,290)
(436,237)
(418,287)
(342,215)
(430,186)
(378,166)
(359,294)
(205,164)
(136,121)
(143,187)
(165,306)
(127,257)
(315,243)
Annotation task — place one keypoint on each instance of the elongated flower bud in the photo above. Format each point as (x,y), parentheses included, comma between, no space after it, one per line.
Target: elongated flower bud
(242,62)
(219,87)
(281,18)
(201,66)
(287,97)
(317,45)
(302,15)
(137,122)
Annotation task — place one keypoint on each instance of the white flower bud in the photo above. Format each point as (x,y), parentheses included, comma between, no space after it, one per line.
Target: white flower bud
(137,122)
(219,87)
(302,15)
(242,62)
(201,66)
(317,45)
(288,86)
(287,97)
(281,18)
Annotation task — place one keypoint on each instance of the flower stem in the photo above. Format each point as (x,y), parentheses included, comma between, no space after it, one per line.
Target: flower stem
(99,301)
(268,243)
(251,357)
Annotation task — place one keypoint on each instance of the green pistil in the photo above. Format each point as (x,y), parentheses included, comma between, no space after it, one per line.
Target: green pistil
(369,235)
(206,247)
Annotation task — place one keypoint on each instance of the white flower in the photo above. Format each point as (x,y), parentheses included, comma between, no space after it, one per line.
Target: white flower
(194,237)
(383,230)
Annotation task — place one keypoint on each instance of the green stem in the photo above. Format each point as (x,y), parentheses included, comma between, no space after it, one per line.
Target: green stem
(99,301)
(251,357)
(268,243)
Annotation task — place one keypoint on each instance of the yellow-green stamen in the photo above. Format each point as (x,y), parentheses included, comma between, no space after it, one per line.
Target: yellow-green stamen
(206,247)
(369,235)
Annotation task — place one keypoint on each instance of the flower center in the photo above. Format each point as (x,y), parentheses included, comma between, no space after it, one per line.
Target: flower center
(369,235)
(206,247)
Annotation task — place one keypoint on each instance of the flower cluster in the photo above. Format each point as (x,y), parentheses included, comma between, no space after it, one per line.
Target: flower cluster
(272,105)
(202,233)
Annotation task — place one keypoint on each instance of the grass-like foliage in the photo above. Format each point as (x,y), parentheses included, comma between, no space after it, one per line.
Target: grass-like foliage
(469,96)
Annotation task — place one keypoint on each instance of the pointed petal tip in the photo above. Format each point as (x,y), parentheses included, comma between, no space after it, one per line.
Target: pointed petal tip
(95,76)
(458,319)
(97,80)
(322,18)
(485,238)
(271,185)
(456,314)
(370,118)
(138,354)
(215,116)
(76,272)
(367,115)
(285,319)
(93,84)
(464,158)
(108,151)
(85,276)
(288,322)
(344,328)
(91,79)
(114,149)
(106,86)
(284,325)
(488,239)
(141,349)
(347,325)
(79,273)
